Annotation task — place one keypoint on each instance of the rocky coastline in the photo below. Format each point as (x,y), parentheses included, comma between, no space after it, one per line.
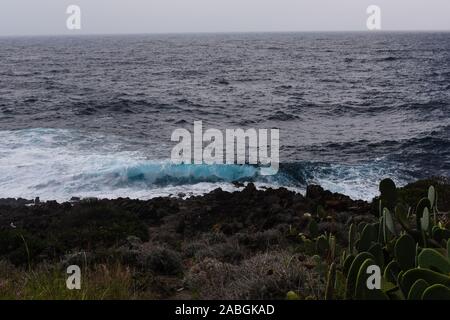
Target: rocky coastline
(240,245)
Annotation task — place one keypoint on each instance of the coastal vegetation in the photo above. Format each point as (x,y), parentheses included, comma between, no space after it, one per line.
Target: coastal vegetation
(410,245)
(252,244)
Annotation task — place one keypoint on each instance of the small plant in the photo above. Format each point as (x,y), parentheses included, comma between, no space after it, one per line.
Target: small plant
(164,261)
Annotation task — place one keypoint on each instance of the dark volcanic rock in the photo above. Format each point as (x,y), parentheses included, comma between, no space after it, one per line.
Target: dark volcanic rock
(84,225)
(15,202)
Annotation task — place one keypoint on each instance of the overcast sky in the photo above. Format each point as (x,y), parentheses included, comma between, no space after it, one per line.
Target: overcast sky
(28,17)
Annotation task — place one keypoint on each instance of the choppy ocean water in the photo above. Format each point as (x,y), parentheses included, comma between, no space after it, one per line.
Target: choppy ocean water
(93,116)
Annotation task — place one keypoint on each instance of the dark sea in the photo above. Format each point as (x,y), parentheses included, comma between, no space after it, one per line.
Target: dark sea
(92,116)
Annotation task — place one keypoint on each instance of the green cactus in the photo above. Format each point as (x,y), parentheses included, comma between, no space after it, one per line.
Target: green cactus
(405,252)
(389,221)
(388,287)
(347,264)
(376,226)
(380,208)
(322,245)
(361,226)
(332,246)
(313,228)
(343,257)
(388,192)
(401,213)
(400,284)
(368,235)
(413,270)
(440,234)
(425,221)
(423,203)
(361,279)
(418,249)
(411,276)
(432,196)
(321,213)
(417,289)
(448,248)
(436,292)
(377,251)
(353,273)
(381,229)
(430,259)
(392,271)
(352,238)
(331,280)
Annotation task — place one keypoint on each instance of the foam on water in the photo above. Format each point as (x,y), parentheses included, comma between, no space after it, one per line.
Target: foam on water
(357,181)
(59,164)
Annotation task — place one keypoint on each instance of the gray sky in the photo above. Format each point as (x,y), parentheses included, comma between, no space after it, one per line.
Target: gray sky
(29,17)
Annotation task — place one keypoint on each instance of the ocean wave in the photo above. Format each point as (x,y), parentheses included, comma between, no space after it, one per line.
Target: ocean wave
(163,173)
(59,164)
(116,105)
(282,116)
(388,58)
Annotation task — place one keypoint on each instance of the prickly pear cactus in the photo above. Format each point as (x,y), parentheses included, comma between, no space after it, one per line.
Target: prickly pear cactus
(322,245)
(353,273)
(352,234)
(368,235)
(389,221)
(436,292)
(313,228)
(431,259)
(388,192)
(405,252)
(432,196)
(423,203)
(417,290)
(431,277)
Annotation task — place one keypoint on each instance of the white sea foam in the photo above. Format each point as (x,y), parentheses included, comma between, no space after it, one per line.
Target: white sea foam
(57,164)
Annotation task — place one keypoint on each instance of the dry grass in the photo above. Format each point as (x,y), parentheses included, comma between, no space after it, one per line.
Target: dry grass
(265,276)
(48,283)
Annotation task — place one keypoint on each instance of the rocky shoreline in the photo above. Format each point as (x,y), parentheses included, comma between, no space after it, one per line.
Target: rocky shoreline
(220,245)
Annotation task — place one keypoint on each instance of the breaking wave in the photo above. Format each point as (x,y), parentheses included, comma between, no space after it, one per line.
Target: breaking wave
(60,164)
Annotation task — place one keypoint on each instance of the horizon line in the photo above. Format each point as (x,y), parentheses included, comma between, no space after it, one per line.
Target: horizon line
(76,33)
